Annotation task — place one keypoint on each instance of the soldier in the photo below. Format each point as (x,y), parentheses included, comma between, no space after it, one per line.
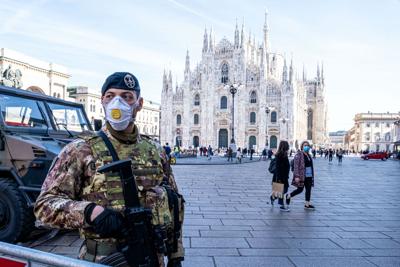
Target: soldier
(75,196)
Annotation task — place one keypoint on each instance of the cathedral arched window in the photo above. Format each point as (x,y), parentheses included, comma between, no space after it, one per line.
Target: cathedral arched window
(387,137)
(252,117)
(196,119)
(224,73)
(253,97)
(224,102)
(178,119)
(197,100)
(273,116)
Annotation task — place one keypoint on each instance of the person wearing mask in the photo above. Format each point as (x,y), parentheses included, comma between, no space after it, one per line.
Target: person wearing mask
(303,175)
(281,174)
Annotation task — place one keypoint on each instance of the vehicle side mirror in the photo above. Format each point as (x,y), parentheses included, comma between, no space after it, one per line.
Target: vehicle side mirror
(97,124)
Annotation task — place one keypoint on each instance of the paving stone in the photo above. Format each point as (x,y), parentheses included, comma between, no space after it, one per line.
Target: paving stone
(331,262)
(334,252)
(314,235)
(222,242)
(382,243)
(347,243)
(267,243)
(225,234)
(270,234)
(386,252)
(385,261)
(198,262)
(242,222)
(211,252)
(270,252)
(252,261)
(310,243)
(344,234)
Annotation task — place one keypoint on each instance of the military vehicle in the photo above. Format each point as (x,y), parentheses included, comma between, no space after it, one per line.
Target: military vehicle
(33,130)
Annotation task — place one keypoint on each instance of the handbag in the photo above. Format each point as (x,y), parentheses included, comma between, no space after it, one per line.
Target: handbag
(277,190)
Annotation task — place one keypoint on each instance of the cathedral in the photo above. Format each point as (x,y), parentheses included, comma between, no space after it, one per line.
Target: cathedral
(245,93)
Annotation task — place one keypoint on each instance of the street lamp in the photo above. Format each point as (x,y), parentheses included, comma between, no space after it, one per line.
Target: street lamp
(267,111)
(233,91)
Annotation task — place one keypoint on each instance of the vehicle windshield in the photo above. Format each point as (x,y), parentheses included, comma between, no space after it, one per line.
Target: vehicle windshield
(21,112)
(68,118)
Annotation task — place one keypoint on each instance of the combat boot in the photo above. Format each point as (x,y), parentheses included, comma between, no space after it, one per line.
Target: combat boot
(175,262)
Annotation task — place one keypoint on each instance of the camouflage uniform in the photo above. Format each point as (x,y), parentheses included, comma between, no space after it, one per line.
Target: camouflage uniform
(73,183)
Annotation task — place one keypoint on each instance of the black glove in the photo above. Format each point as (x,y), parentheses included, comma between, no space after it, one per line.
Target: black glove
(109,223)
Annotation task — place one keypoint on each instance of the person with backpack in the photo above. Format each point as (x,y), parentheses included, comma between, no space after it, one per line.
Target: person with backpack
(281,172)
(303,175)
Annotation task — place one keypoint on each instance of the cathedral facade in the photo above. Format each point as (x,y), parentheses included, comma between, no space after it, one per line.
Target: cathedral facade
(269,101)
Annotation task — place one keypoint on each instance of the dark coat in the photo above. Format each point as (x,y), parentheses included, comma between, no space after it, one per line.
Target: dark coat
(281,174)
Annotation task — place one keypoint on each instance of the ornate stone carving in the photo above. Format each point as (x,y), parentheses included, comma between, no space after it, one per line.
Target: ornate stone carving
(11,78)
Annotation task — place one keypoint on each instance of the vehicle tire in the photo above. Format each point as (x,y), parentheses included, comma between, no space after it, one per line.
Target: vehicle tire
(384,159)
(16,218)
(366,158)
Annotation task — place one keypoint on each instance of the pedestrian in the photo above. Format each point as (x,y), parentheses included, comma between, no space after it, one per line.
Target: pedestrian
(167,149)
(340,156)
(230,153)
(303,175)
(330,154)
(270,153)
(314,153)
(251,153)
(209,152)
(264,154)
(326,153)
(75,195)
(238,156)
(281,174)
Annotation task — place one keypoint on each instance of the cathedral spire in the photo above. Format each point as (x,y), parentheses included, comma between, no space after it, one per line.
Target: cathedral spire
(304,74)
(265,30)
(236,36)
(284,73)
(165,85)
(318,73)
(242,36)
(187,66)
(205,41)
(322,73)
(211,45)
(291,71)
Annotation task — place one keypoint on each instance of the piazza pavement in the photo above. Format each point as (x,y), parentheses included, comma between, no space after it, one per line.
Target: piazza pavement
(230,222)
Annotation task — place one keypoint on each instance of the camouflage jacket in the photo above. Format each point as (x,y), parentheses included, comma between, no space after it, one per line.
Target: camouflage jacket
(62,202)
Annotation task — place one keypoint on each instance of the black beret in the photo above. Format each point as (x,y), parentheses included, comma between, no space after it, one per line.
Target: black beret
(121,80)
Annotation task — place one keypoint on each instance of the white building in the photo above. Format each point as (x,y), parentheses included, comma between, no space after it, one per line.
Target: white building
(199,110)
(397,135)
(337,139)
(373,132)
(90,99)
(21,71)
(148,119)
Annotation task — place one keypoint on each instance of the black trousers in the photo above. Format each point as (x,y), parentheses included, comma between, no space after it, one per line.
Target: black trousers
(307,185)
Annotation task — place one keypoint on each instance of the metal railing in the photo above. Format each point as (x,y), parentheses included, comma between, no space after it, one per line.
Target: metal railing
(36,256)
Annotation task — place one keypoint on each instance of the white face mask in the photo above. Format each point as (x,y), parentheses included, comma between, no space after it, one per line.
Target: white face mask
(119,113)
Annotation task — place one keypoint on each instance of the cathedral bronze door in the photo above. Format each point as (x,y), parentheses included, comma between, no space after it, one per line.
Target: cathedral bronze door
(196,141)
(223,138)
(273,142)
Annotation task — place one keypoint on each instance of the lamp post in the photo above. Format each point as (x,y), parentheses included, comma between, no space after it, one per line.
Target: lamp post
(233,91)
(267,111)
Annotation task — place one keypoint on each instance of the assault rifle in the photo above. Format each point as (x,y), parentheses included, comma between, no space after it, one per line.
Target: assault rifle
(142,240)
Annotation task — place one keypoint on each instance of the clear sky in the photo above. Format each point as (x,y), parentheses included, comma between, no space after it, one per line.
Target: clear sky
(358,41)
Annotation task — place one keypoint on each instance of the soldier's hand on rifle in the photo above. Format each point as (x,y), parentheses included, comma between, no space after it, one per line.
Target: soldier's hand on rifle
(105,222)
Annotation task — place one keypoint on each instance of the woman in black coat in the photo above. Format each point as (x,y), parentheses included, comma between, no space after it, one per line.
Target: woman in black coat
(281,174)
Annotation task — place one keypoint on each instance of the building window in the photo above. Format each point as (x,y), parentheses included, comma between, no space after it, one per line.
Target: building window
(196,119)
(178,119)
(387,137)
(224,73)
(252,117)
(377,124)
(273,116)
(387,125)
(368,124)
(197,100)
(224,102)
(253,97)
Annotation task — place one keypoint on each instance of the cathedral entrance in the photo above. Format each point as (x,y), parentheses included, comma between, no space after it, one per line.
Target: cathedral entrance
(178,141)
(273,142)
(223,138)
(195,141)
(252,141)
